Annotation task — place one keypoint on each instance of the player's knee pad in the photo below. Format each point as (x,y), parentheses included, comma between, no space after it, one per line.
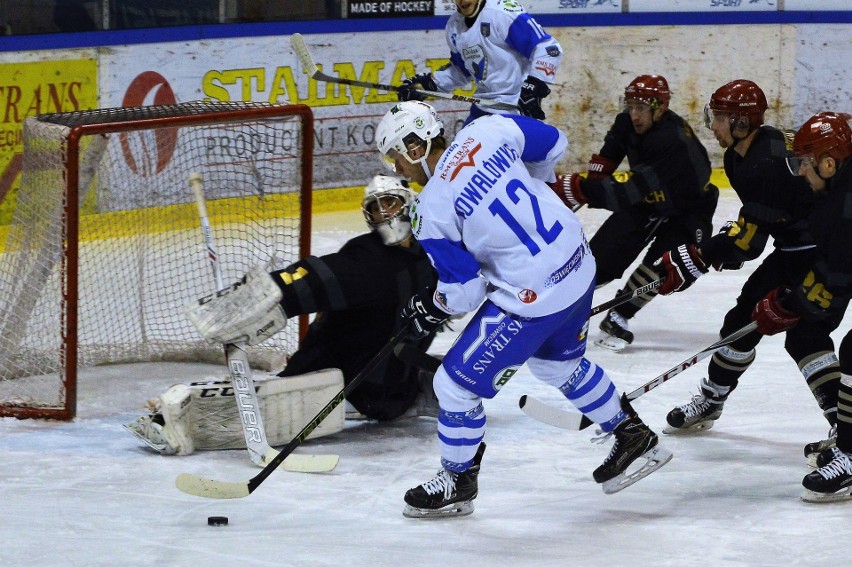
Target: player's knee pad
(452,397)
(553,372)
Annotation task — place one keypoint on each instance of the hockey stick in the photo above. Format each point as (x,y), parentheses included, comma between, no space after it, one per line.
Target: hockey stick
(245,392)
(576,421)
(626,296)
(210,488)
(301,49)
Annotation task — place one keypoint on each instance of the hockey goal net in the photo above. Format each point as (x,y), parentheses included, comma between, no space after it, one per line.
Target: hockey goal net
(105,248)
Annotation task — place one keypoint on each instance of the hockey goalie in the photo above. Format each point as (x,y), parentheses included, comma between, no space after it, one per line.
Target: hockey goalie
(357,294)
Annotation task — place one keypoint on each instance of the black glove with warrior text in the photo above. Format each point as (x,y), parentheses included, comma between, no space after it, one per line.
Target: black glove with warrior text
(532,92)
(423,315)
(408,88)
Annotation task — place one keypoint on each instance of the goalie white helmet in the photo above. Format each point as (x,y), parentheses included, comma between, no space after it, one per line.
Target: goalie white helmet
(386,205)
(407,126)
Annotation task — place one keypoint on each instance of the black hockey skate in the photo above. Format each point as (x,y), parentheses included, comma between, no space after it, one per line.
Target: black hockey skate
(633,440)
(700,413)
(616,335)
(448,494)
(816,449)
(832,482)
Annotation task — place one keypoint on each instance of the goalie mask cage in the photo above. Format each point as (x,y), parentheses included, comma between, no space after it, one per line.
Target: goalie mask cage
(105,249)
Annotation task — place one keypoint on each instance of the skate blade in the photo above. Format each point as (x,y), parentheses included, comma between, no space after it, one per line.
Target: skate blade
(448,511)
(691,430)
(654,459)
(821,498)
(612,343)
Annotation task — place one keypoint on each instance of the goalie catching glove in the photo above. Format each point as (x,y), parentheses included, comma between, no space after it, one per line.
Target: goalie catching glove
(423,315)
(248,311)
(680,268)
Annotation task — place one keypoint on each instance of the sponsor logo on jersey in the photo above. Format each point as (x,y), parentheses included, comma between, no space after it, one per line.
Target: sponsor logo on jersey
(527,296)
(572,265)
(549,69)
(502,377)
(486,175)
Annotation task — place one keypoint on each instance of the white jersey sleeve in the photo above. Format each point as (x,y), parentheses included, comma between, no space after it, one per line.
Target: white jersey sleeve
(498,52)
(493,229)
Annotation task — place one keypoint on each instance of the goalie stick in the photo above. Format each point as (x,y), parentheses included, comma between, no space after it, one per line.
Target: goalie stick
(576,421)
(236,358)
(211,488)
(301,49)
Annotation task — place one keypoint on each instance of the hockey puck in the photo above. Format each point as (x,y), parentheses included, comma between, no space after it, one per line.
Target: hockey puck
(217,521)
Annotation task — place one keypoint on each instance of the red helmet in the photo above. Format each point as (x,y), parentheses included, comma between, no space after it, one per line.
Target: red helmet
(740,98)
(825,133)
(651,89)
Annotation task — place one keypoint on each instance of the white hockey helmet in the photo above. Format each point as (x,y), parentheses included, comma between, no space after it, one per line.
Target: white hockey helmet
(407,125)
(391,199)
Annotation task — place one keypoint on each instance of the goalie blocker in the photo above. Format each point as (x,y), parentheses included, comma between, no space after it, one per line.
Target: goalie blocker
(203,415)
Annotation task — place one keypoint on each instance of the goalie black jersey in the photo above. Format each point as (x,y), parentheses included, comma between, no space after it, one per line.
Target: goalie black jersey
(357,294)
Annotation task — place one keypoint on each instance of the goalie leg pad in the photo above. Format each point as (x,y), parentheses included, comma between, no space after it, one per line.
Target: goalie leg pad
(286,404)
(248,311)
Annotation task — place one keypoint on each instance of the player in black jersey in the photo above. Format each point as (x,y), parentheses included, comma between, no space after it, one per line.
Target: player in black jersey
(774,204)
(667,201)
(823,156)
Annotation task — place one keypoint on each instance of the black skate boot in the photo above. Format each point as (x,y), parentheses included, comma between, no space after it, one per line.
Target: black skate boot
(832,482)
(816,449)
(448,494)
(633,440)
(616,335)
(700,413)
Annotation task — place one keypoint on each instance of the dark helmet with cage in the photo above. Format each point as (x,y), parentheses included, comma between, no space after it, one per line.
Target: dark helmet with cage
(742,101)
(386,207)
(649,89)
(824,134)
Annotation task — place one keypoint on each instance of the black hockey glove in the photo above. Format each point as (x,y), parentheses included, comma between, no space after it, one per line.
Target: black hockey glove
(532,91)
(408,88)
(719,266)
(423,316)
(680,268)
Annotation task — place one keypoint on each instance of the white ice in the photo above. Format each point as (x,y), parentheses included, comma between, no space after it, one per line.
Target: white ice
(86,493)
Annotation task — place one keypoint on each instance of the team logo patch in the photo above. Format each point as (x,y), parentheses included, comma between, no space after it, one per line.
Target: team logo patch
(527,296)
(485,29)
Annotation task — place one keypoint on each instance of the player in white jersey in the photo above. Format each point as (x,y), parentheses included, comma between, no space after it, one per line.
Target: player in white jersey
(501,241)
(500,47)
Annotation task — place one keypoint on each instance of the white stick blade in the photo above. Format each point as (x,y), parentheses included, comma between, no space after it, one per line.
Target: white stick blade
(209,488)
(550,415)
(298,43)
(310,463)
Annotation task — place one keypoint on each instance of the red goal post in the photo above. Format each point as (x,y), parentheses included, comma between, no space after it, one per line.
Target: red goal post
(104,248)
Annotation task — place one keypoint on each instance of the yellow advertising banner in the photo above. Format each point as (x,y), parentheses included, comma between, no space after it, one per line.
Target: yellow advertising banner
(29,89)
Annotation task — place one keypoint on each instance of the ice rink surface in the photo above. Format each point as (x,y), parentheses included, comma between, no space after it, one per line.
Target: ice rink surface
(86,493)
